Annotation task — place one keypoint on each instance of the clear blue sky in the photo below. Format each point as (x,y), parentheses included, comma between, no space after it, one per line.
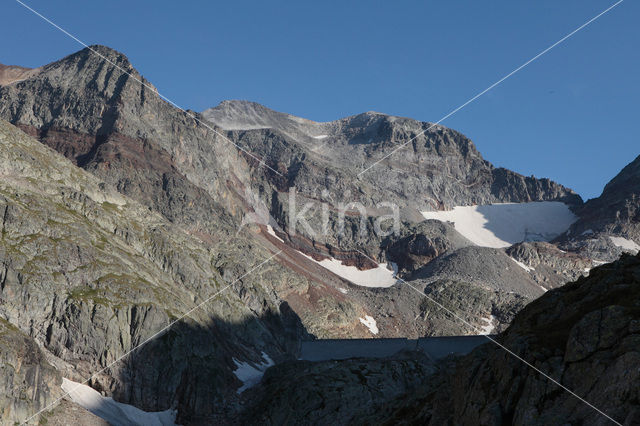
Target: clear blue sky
(570,116)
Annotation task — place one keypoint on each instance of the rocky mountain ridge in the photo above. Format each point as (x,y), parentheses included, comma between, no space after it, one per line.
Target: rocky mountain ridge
(155,209)
(112,125)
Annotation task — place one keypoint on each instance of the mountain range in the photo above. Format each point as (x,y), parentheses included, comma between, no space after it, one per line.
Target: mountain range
(125,217)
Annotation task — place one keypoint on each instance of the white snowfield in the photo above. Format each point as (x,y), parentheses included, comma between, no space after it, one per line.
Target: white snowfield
(116,413)
(504,224)
(624,244)
(370,323)
(251,375)
(379,276)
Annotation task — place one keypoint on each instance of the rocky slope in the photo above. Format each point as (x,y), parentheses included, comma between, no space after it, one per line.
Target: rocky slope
(155,209)
(90,274)
(27,380)
(439,169)
(586,335)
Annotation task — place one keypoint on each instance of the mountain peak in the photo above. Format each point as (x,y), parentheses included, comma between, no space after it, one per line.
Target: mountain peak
(105,51)
(96,53)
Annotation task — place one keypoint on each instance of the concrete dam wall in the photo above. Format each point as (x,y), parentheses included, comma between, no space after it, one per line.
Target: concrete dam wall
(434,347)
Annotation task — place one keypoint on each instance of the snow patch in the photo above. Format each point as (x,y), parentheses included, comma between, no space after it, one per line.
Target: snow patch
(270,231)
(501,225)
(523,266)
(587,232)
(343,290)
(379,276)
(488,329)
(321,137)
(370,323)
(116,413)
(251,375)
(624,244)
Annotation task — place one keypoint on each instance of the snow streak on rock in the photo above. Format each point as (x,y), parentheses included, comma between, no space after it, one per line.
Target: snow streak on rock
(116,413)
(370,323)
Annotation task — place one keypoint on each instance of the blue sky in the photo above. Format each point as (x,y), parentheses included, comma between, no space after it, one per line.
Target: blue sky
(570,116)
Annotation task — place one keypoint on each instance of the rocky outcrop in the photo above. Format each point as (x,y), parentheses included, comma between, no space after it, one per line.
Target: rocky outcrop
(115,126)
(28,383)
(333,392)
(549,266)
(437,170)
(484,266)
(421,243)
(440,168)
(610,224)
(617,210)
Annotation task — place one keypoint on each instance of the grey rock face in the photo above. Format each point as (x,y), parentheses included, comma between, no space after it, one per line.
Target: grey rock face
(91,274)
(549,266)
(484,266)
(350,389)
(617,210)
(439,169)
(27,381)
(119,130)
(615,213)
(423,242)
